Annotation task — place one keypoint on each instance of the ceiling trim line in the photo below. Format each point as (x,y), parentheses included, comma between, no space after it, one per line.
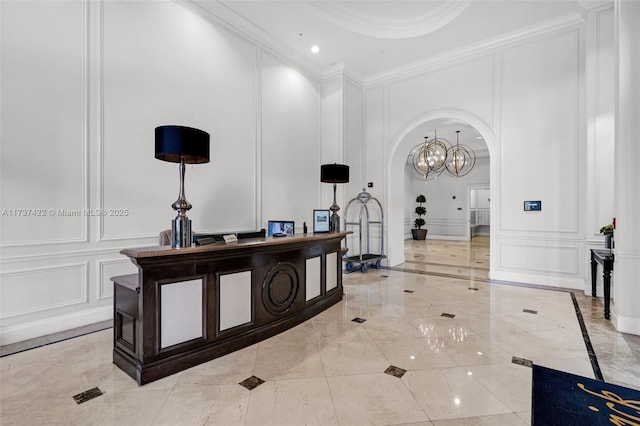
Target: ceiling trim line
(341,70)
(389,28)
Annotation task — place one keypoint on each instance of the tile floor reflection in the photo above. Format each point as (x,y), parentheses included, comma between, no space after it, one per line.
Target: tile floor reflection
(330,370)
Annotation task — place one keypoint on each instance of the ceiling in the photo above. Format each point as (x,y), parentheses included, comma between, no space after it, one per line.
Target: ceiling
(372,37)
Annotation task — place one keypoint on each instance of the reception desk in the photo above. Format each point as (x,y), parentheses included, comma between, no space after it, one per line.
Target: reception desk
(190,305)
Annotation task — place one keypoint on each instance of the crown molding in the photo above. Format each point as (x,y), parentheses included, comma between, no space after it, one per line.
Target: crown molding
(595,4)
(476,49)
(335,71)
(219,13)
(340,70)
(390,28)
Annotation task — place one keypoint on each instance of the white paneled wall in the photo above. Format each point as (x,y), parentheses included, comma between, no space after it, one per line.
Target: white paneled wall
(524,97)
(84,84)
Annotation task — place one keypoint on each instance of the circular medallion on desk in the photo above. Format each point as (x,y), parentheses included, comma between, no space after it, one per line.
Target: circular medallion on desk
(280,288)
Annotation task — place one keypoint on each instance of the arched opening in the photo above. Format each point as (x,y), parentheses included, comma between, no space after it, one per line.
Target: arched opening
(401,144)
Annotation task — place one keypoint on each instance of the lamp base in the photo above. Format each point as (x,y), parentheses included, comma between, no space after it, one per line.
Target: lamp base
(181,232)
(334,223)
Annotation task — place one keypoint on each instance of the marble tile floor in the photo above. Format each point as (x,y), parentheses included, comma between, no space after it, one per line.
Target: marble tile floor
(448,258)
(330,370)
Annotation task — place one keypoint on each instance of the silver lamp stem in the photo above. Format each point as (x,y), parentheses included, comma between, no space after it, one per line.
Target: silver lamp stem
(334,221)
(181,225)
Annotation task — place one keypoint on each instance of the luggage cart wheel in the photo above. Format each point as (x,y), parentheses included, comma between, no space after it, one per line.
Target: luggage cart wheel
(378,264)
(349,266)
(363,267)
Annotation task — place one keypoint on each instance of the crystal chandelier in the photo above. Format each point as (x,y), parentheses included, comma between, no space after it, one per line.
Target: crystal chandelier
(460,159)
(429,159)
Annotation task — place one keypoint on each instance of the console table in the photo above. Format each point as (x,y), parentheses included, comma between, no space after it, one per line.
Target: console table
(186,306)
(605,258)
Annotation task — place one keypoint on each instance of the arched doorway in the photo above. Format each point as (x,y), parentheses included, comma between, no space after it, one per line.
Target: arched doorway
(394,185)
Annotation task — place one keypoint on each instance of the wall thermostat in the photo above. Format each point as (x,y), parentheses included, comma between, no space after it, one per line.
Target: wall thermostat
(530,206)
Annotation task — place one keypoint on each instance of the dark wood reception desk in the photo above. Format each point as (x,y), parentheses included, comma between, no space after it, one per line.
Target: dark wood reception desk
(190,305)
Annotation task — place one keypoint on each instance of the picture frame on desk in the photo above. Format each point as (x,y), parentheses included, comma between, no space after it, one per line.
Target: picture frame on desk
(286,227)
(321,221)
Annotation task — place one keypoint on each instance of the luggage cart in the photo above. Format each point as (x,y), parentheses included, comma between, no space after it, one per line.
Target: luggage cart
(364,258)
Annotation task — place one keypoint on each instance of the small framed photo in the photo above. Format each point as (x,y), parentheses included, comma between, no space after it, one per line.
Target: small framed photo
(281,227)
(321,221)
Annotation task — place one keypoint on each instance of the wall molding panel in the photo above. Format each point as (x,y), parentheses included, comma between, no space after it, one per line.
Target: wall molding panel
(549,258)
(563,136)
(446,227)
(552,262)
(71,51)
(25,291)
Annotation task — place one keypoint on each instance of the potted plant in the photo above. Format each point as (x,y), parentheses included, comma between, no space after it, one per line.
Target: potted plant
(419,233)
(607,230)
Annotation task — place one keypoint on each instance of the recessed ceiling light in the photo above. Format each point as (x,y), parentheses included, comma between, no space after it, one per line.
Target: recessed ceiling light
(478,137)
(315,49)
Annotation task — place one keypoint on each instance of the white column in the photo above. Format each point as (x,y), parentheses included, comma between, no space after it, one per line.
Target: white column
(626,291)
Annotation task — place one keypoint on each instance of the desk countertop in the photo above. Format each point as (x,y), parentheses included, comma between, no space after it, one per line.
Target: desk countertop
(248,244)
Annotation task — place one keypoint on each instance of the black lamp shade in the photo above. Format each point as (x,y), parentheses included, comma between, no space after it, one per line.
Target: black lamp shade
(176,142)
(334,173)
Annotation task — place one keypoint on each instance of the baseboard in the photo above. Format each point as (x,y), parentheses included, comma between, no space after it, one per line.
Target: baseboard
(542,280)
(447,237)
(33,329)
(624,324)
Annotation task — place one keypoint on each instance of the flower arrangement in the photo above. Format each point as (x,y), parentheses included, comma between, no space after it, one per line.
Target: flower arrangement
(607,230)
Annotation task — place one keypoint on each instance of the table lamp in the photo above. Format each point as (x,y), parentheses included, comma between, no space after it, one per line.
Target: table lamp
(334,173)
(184,145)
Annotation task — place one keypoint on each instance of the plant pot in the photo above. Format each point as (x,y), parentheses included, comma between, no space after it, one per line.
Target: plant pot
(419,234)
(608,241)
